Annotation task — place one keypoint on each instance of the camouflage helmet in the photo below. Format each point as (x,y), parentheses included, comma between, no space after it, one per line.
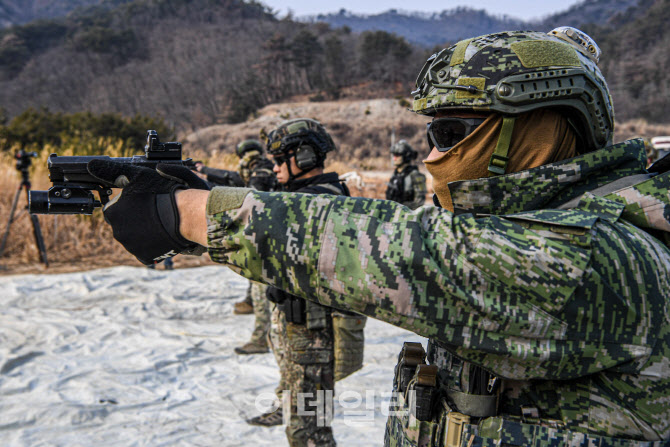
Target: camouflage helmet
(519,71)
(300,133)
(403,149)
(248,146)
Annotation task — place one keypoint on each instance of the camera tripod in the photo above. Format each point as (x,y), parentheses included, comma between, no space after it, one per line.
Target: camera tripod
(22,164)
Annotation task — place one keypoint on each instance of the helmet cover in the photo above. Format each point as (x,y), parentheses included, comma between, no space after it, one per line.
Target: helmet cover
(300,132)
(519,71)
(403,149)
(247,146)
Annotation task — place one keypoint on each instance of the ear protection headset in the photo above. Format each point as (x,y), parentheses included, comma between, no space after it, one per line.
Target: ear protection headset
(305,140)
(306,158)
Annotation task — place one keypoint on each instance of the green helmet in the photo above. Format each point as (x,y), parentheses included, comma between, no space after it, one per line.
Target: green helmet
(248,146)
(519,71)
(403,149)
(306,137)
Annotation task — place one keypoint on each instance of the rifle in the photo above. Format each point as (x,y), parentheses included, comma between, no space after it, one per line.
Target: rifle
(222,177)
(73,186)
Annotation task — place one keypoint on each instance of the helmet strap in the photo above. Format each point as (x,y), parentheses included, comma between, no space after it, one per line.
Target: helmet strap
(291,176)
(581,141)
(499,158)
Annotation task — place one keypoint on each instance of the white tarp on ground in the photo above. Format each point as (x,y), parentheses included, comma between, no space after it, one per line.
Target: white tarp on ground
(129,356)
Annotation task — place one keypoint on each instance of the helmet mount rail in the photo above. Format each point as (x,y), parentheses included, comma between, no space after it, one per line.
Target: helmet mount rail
(467,88)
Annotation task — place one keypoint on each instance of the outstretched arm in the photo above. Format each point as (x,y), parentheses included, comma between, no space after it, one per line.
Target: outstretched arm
(499,295)
(192,204)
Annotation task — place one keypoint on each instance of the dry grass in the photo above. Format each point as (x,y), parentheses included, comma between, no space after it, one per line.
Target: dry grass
(70,240)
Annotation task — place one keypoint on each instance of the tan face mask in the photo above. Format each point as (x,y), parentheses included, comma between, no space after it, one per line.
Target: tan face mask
(539,137)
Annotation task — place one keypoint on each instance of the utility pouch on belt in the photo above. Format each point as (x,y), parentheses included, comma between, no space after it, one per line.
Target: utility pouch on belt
(294,310)
(412,354)
(349,334)
(422,390)
(393,191)
(315,315)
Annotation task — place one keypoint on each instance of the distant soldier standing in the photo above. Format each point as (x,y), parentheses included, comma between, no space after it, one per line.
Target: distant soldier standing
(256,172)
(254,168)
(407,185)
(314,345)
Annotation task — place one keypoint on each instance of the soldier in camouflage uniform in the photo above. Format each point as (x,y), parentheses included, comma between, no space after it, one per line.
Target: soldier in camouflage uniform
(545,293)
(303,338)
(407,185)
(256,171)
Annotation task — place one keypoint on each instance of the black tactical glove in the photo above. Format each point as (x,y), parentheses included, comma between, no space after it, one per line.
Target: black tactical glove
(144,217)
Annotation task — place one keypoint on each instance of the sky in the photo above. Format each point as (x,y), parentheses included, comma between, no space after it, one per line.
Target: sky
(520,9)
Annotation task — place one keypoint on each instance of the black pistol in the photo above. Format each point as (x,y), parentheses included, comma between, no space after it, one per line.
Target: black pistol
(73,186)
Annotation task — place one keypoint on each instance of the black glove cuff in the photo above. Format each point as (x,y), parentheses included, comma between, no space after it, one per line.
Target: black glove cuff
(168,213)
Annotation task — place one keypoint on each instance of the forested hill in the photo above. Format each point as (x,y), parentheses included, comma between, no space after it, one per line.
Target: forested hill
(194,62)
(463,22)
(424,29)
(599,12)
(636,61)
(18,12)
(201,62)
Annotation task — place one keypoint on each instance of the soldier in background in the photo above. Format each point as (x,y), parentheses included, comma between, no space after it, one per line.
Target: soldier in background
(314,345)
(256,172)
(407,185)
(254,168)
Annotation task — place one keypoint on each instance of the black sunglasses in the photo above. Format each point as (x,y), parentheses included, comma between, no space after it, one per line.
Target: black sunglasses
(445,133)
(281,159)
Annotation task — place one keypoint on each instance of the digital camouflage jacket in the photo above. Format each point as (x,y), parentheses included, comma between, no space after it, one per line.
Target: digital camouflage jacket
(320,184)
(570,307)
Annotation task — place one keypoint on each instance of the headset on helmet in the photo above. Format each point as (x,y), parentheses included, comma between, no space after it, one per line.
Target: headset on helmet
(248,146)
(403,149)
(519,71)
(306,138)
